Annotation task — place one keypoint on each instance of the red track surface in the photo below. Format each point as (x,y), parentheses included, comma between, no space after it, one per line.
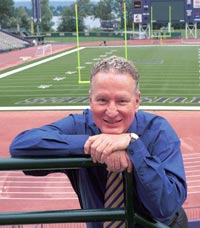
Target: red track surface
(24,193)
(18,57)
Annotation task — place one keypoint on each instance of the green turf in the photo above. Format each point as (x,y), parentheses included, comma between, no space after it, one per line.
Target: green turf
(169,75)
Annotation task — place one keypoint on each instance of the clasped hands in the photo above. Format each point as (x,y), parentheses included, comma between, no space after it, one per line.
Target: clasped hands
(111,150)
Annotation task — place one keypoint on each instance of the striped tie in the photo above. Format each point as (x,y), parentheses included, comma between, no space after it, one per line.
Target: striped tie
(114,197)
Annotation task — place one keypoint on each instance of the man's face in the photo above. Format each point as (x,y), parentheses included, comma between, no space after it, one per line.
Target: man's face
(113,102)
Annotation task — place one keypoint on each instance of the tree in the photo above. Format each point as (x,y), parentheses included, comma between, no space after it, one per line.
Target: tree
(85,8)
(6,13)
(103,10)
(46,16)
(113,10)
(22,18)
(118,8)
(68,18)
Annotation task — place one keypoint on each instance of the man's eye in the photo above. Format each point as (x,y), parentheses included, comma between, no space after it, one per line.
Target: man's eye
(122,101)
(101,100)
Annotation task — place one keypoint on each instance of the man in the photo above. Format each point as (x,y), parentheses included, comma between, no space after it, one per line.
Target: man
(115,133)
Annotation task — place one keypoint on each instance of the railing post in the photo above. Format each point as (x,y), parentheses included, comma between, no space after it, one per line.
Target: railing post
(129,200)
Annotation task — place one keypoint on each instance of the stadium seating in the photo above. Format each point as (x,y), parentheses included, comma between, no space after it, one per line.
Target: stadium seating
(10,42)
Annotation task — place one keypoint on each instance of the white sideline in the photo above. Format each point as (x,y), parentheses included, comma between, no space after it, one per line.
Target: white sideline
(67,108)
(39,62)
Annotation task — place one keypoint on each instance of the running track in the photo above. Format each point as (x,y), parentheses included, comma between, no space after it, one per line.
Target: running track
(54,192)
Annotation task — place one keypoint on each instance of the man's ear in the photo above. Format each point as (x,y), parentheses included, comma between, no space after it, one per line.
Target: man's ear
(137,103)
(91,106)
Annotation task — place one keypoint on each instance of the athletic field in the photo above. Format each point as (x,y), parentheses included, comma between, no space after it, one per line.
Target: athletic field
(169,76)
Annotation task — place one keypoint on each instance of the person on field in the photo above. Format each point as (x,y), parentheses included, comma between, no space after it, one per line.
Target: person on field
(115,133)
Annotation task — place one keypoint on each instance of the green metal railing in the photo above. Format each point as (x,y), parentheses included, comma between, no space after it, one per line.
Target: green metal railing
(68,216)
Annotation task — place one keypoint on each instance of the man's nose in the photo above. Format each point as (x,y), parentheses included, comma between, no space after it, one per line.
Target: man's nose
(112,110)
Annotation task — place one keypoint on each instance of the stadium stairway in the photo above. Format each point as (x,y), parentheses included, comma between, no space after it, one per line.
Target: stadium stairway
(10,42)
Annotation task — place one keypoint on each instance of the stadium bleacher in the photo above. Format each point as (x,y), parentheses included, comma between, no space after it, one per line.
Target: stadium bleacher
(10,42)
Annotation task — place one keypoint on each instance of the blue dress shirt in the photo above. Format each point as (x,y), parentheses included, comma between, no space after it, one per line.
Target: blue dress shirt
(159,177)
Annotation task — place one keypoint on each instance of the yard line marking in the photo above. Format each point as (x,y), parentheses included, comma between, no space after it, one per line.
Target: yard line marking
(39,62)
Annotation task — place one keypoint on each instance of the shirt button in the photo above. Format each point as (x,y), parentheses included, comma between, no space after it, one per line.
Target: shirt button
(131,152)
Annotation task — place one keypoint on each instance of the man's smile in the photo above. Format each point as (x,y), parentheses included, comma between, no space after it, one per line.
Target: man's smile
(112,121)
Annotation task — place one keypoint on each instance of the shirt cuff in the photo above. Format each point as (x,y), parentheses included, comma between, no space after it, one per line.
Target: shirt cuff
(137,152)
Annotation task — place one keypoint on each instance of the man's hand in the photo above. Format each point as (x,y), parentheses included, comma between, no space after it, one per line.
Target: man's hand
(119,161)
(102,145)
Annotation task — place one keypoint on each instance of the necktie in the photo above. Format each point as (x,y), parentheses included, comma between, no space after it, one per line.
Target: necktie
(114,197)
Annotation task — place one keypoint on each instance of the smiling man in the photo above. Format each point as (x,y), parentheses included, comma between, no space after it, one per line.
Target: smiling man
(115,133)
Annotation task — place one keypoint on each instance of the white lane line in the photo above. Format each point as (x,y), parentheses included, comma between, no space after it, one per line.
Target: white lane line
(36,187)
(35,182)
(36,193)
(34,178)
(39,62)
(61,198)
(74,108)
(192,171)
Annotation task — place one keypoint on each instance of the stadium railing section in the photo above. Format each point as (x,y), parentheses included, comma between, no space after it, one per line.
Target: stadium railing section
(68,216)
(10,42)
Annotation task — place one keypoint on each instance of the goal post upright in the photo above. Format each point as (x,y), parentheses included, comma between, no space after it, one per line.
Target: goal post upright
(78,49)
(161,36)
(125,32)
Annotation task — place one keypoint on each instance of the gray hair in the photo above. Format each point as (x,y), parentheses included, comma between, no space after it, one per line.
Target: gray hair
(115,64)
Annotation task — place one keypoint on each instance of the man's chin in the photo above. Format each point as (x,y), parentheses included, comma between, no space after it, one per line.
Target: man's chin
(116,131)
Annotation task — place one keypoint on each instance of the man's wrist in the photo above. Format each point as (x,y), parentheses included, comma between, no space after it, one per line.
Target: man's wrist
(133,137)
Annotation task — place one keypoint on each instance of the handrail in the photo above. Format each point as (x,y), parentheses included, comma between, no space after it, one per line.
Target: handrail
(69,216)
